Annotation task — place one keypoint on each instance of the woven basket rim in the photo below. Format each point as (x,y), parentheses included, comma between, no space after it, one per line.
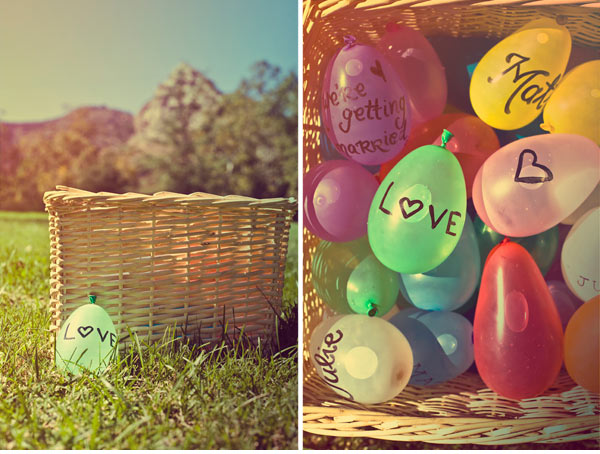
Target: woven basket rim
(69,193)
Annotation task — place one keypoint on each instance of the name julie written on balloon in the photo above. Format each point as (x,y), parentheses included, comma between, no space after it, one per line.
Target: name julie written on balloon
(373,109)
(326,360)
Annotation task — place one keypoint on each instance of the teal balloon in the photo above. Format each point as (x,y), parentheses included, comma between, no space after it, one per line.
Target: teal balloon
(350,279)
(450,285)
(542,247)
(418,212)
(86,341)
(441,343)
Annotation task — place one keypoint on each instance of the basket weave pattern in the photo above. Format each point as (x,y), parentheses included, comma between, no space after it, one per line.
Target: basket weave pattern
(462,410)
(200,264)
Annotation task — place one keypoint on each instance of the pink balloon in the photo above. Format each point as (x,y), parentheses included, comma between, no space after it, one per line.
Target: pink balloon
(337,198)
(419,68)
(364,105)
(531,184)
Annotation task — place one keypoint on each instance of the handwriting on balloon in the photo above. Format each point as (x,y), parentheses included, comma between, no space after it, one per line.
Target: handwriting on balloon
(326,360)
(409,208)
(532,93)
(583,282)
(373,109)
(420,376)
(85,331)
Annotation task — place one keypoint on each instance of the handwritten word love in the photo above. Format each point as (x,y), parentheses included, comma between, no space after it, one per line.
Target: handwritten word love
(529,91)
(85,331)
(326,360)
(410,207)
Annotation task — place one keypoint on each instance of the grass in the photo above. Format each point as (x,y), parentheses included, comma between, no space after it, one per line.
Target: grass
(168,395)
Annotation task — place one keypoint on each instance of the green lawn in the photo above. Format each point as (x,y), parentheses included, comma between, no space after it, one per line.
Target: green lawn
(160,396)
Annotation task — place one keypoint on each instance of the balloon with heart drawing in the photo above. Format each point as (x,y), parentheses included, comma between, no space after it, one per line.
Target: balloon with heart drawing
(87,340)
(418,212)
(365,107)
(532,184)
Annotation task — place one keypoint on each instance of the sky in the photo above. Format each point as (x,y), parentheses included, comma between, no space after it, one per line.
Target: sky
(61,54)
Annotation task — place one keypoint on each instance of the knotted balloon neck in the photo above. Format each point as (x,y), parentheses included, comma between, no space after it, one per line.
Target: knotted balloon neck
(372,309)
(506,240)
(93,299)
(350,41)
(446,136)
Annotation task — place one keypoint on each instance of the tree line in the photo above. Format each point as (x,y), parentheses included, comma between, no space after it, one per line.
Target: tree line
(246,144)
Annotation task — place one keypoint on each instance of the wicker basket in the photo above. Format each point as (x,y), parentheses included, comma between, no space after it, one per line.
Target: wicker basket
(462,410)
(199,264)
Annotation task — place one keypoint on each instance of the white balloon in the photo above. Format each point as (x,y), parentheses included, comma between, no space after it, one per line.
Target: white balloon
(365,359)
(580,258)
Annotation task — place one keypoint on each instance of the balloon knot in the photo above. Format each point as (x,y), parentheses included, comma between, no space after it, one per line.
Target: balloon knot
(372,310)
(561,19)
(93,299)
(505,240)
(349,40)
(446,136)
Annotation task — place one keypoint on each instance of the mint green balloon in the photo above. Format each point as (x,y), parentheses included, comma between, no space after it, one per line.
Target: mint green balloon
(350,279)
(418,212)
(86,341)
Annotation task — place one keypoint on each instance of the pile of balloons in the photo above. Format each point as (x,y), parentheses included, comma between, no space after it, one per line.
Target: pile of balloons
(422,212)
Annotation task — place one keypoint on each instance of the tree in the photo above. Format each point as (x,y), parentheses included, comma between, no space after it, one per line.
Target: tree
(241,143)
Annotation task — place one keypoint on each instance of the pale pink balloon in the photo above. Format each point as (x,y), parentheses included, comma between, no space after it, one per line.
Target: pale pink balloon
(420,70)
(365,107)
(532,184)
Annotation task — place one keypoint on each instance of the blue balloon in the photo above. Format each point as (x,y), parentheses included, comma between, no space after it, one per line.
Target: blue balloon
(441,343)
(451,284)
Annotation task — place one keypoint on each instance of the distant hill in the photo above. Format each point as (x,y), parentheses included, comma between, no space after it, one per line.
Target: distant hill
(103,127)
(185,92)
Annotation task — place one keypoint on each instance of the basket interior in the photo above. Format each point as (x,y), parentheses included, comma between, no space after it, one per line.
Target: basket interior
(325,24)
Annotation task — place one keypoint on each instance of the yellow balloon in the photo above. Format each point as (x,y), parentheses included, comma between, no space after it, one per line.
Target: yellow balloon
(574,106)
(514,80)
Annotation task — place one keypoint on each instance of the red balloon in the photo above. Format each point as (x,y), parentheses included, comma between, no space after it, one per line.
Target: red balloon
(472,142)
(423,134)
(517,333)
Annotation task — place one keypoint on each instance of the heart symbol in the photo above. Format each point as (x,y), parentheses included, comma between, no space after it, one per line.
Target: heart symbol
(532,179)
(378,70)
(85,329)
(410,203)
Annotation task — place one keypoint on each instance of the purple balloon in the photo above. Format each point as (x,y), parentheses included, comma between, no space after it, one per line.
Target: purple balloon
(337,198)
(566,303)
(365,108)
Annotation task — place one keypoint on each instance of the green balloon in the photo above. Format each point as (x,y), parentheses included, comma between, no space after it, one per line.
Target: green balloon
(86,341)
(542,246)
(418,212)
(350,279)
